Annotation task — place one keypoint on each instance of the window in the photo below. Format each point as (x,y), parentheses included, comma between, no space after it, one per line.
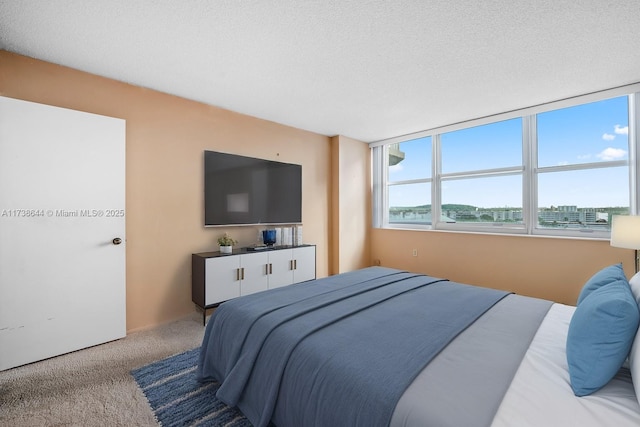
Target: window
(491,146)
(583,165)
(562,171)
(409,182)
(484,199)
(481,179)
(587,133)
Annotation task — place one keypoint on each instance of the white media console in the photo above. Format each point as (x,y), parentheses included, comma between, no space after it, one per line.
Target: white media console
(217,277)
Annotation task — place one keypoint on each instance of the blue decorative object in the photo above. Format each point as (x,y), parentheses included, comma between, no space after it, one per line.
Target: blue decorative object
(269,237)
(600,335)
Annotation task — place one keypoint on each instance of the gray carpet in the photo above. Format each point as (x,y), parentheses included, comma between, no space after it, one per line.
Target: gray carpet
(93,387)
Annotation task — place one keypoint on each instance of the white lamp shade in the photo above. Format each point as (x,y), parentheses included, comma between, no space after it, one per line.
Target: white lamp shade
(625,231)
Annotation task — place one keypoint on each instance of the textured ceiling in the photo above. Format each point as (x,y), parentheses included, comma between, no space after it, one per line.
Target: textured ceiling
(367,69)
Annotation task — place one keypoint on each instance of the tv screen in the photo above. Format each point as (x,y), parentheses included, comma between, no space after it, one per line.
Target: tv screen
(241,190)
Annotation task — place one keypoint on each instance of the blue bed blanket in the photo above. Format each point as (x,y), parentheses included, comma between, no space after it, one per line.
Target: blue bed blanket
(338,351)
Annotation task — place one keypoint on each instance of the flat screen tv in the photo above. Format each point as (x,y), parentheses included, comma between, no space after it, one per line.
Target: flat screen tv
(241,190)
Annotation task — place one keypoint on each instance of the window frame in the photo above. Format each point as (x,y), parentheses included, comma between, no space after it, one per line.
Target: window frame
(528,170)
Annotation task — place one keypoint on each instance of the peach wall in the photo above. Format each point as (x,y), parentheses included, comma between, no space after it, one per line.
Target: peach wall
(543,267)
(351,204)
(166,137)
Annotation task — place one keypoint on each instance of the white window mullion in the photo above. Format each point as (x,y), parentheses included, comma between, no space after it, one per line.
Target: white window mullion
(436,184)
(529,178)
(385,188)
(378,185)
(583,166)
(634,150)
(515,170)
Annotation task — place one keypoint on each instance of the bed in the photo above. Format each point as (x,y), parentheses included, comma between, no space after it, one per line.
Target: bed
(384,347)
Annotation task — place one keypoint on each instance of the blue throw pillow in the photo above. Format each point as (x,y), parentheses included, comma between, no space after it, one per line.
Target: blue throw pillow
(600,335)
(601,278)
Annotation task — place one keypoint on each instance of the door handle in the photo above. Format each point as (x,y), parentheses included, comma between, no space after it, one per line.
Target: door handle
(116,241)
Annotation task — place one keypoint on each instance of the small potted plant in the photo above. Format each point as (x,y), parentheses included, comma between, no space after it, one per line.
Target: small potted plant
(226,243)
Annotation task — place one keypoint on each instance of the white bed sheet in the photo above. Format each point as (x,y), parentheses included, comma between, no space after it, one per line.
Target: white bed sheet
(540,393)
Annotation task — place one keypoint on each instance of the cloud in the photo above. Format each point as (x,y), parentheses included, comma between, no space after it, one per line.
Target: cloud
(617,130)
(583,157)
(563,163)
(621,130)
(612,154)
(395,168)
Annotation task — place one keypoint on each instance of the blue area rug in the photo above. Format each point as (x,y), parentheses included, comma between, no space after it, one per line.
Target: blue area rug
(178,399)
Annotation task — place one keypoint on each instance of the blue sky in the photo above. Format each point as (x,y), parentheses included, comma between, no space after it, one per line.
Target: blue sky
(587,133)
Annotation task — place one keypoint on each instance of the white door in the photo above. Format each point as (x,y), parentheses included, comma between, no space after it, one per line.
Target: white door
(62,194)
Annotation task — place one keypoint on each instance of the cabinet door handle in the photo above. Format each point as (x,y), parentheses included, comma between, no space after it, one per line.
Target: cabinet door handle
(295,264)
(270,268)
(237,274)
(242,269)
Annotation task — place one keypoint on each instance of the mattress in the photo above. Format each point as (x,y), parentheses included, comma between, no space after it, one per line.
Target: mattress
(540,393)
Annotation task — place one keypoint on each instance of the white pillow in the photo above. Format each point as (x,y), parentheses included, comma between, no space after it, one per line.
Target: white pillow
(634,355)
(634,283)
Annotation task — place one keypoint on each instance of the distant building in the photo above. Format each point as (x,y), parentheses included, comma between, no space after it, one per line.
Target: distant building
(572,214)
(561,216)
